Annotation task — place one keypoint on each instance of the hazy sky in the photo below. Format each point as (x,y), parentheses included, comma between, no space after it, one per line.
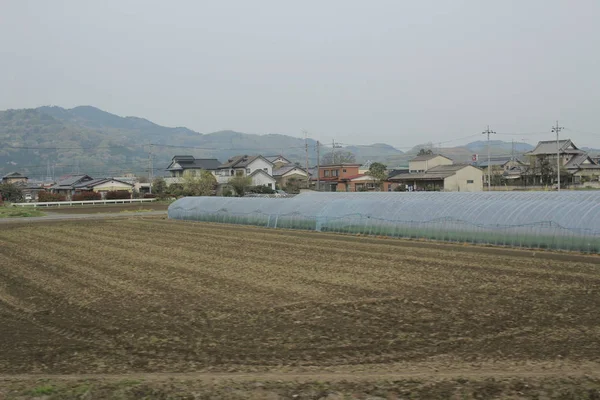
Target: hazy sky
(401,72)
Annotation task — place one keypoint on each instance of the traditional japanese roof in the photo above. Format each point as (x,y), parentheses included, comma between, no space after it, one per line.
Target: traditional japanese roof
(241,161)
(180,163)
(547,147)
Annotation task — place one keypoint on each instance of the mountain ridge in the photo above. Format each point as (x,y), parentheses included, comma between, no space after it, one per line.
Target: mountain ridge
(88,139)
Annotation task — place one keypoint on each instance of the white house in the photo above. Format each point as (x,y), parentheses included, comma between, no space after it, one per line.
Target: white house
(257,167)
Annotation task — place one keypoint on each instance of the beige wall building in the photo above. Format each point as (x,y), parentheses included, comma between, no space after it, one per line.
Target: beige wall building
(425,162)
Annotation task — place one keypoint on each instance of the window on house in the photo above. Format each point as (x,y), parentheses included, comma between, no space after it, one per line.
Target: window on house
(344,170)
(335,172)
(248,170)
(469,180)
(326,172)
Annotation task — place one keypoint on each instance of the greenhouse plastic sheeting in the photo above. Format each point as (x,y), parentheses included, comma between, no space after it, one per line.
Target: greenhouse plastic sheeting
(568,220)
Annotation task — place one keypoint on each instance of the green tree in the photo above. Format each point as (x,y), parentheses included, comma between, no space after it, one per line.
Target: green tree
(198,184)
(293,185)
(159,186)
(338,157)
(11,193)
(378,172)
(425,152)
(240,184)
(175,190)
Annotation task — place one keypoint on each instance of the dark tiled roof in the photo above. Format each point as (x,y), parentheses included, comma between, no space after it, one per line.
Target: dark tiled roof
(189,162)
(395,172)
(183,159)
(72,180)
(577,162)
(494,161)
(549,147)
(96,182)
(240,161)
(14,175)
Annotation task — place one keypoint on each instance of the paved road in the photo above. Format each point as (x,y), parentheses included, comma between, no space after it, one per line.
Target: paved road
(66,217)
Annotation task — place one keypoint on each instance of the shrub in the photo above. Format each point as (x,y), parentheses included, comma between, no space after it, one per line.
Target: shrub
(261,190)
(47,196)
(117,195)
(11,192)
(88,195)
(149,196)
(175,190)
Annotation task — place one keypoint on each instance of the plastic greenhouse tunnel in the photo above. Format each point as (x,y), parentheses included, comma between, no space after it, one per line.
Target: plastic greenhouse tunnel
(550,220)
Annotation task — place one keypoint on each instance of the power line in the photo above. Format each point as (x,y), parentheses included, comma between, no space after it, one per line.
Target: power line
(488,131)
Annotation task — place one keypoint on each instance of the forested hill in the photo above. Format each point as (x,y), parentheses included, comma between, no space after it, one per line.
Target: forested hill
(93,141)
(58,141)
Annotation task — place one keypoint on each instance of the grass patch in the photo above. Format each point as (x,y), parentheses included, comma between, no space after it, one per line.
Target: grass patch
(13,212)
(43,390)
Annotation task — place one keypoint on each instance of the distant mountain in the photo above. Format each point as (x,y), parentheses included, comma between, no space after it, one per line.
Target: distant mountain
(374,152)
(499,146)
(57,141)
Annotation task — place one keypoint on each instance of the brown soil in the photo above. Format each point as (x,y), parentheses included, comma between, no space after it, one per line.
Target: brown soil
(161,301)
(106,208)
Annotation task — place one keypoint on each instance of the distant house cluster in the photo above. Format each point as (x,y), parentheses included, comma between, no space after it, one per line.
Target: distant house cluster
(70,185)
(269,171)
(425,172)
(539,166)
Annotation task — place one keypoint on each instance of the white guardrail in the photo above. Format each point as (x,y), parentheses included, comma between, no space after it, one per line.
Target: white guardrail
(81,203)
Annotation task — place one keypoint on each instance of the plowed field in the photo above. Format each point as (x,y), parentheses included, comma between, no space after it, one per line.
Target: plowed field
(149,295)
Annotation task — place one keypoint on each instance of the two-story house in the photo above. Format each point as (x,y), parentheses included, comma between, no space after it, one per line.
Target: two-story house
(257,167)
(15,178)
(575,162)
(337,177)
(438,173)
(424,162)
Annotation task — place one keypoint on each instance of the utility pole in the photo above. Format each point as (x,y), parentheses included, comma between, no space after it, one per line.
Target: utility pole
(333,150)
(512,148)
(306,153)
(318,166)
(557,129)
(489,167)
(150,167)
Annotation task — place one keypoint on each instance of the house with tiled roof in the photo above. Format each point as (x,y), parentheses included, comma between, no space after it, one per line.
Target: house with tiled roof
(278,161)
(291,175)
(180,164)
(257,167)
(447,178)
(15,178)
(577,164)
